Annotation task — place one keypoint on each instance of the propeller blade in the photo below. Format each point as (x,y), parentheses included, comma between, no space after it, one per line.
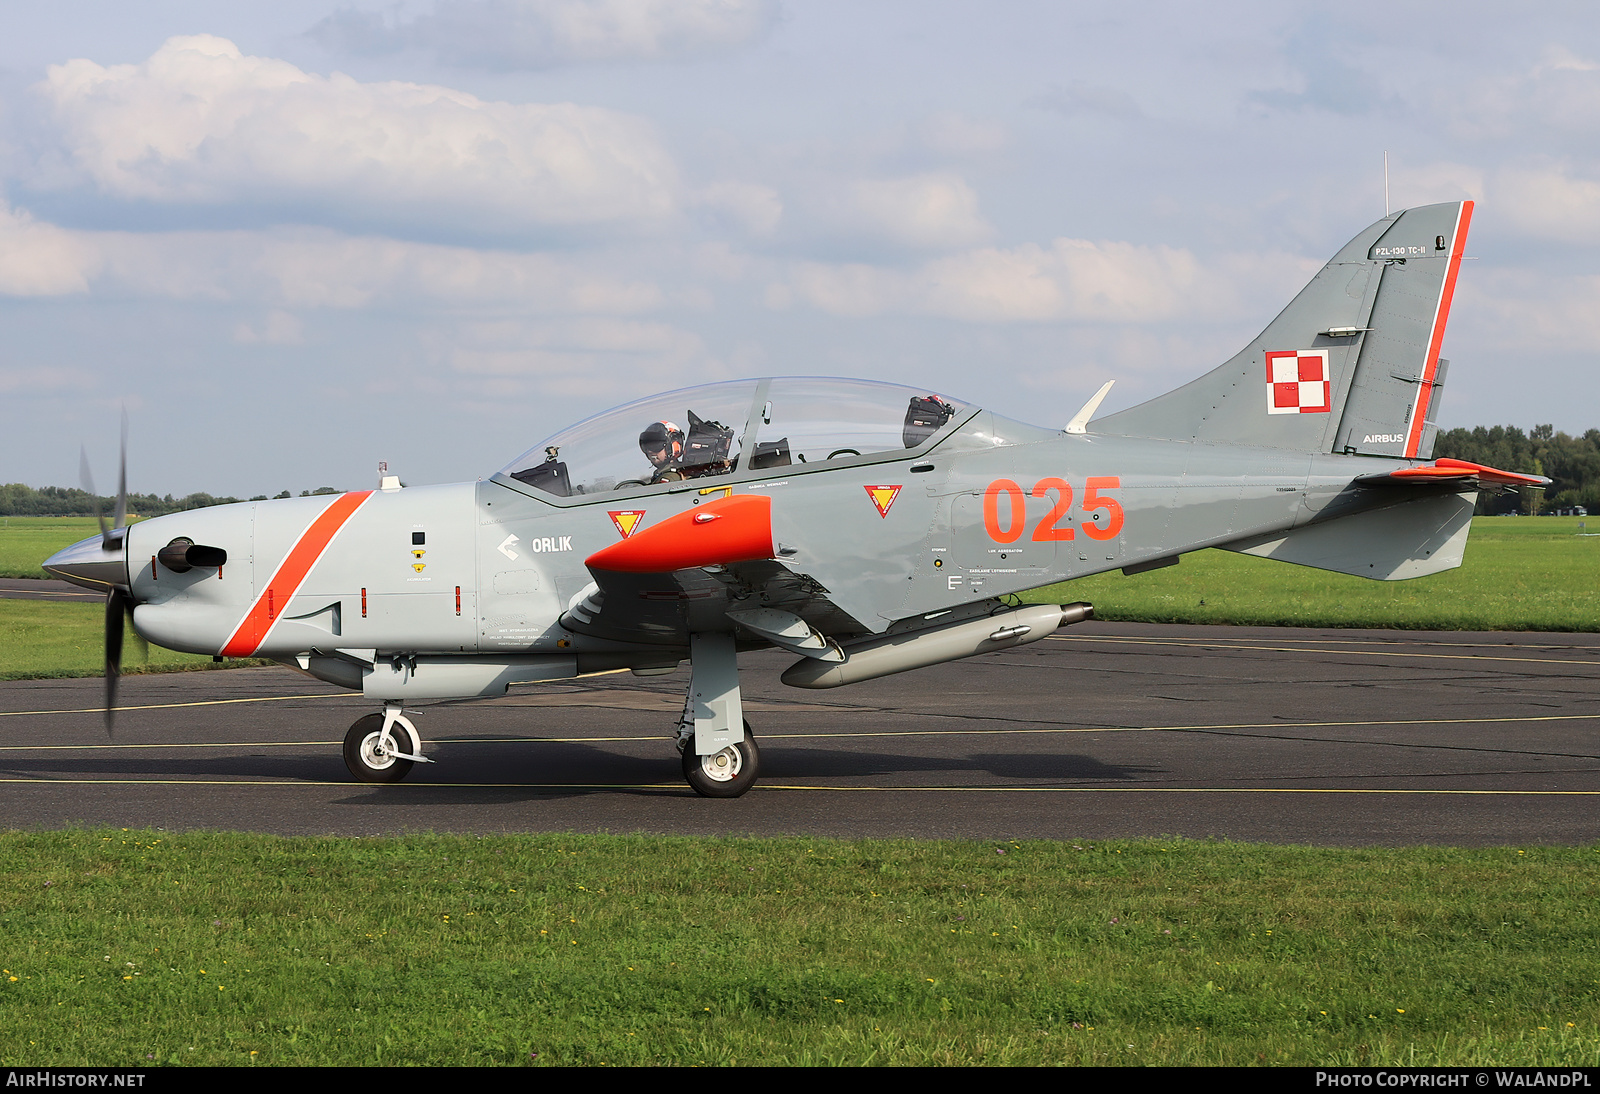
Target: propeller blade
(118,605)
(122,478)
(139,644)
(86,480)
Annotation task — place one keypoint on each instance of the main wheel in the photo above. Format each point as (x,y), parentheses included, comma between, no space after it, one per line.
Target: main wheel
(366,757)
(725,774)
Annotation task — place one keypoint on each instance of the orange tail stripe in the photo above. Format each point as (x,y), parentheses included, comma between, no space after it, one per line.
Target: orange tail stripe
(1441,316)
(291,572)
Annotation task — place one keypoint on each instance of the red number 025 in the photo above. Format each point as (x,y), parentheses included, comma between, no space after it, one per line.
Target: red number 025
(1049,527)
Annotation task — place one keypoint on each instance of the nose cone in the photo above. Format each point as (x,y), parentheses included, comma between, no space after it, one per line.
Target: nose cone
(89,564)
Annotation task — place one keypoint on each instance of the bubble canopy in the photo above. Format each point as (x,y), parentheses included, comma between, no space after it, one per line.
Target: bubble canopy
(717,430)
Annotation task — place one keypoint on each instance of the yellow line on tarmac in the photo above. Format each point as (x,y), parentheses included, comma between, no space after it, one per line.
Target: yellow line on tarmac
(168,706)
(825,789)
(1180,790)
(1348,653)
(1178,729)
(252,699)
(348,784)
(657,738)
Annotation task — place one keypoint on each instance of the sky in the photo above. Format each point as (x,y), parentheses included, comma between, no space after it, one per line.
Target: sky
(293,240)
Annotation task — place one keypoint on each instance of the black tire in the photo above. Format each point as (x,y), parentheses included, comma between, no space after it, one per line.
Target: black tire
(726,774)
(360,754)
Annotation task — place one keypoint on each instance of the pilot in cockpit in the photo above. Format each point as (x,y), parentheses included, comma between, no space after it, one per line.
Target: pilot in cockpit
(662,444)
(704,450)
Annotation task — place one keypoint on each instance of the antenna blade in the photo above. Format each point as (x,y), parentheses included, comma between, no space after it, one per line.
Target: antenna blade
(1080,420)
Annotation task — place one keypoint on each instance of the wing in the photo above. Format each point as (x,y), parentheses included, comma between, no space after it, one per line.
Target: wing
(713,568)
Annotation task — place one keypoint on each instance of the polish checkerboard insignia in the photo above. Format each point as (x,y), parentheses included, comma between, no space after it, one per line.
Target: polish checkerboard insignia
(1297,381)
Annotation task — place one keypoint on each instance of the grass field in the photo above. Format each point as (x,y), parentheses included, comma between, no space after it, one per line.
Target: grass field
(43,640)
(127,948)
(1519,574)
(27,541)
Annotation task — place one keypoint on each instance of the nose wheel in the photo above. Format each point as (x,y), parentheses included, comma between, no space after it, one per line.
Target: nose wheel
(376,752)
(725,774)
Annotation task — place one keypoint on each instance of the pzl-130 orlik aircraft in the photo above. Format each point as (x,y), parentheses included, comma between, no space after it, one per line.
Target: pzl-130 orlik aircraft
(865,527)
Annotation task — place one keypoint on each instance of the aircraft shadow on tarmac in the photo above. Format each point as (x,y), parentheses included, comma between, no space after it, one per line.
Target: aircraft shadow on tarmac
(588,769)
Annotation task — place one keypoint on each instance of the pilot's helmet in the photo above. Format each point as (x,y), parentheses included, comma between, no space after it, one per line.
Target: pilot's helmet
(661,441)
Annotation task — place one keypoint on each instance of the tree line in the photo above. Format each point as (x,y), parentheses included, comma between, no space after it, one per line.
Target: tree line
(1573,462)
(17,500)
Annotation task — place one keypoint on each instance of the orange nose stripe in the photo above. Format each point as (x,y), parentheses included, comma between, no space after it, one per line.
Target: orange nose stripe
(291,572)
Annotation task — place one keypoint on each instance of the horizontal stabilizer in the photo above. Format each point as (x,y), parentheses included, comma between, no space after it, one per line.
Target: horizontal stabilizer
(1413,538)
(1446,471)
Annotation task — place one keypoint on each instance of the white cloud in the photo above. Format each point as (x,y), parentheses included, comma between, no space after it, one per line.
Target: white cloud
(1144,360)
(314,268)
(846,288)
(280,328)
(751,208)
(1550,203)
(1082,99)
(935,211)
(1558,95)
(592,356)
(199,122)
(1561,59)
(303,268)
(44,379)
(39,259)
(1069,280)
(1434,182)
(954,134)
(1524,315)
(522,34)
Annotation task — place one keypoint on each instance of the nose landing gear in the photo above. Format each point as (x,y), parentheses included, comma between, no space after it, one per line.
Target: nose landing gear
(381,748)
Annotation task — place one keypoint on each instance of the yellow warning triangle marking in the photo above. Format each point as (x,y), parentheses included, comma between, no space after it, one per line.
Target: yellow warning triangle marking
(627,520)
(883,497)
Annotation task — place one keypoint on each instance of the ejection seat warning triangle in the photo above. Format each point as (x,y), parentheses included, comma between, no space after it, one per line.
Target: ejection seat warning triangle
(626,520)
(883,497)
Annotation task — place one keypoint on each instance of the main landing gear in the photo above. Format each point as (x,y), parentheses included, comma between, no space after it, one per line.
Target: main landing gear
(725,774)
(381,748)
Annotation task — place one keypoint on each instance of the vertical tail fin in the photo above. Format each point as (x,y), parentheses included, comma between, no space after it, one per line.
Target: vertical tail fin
(1351,365)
